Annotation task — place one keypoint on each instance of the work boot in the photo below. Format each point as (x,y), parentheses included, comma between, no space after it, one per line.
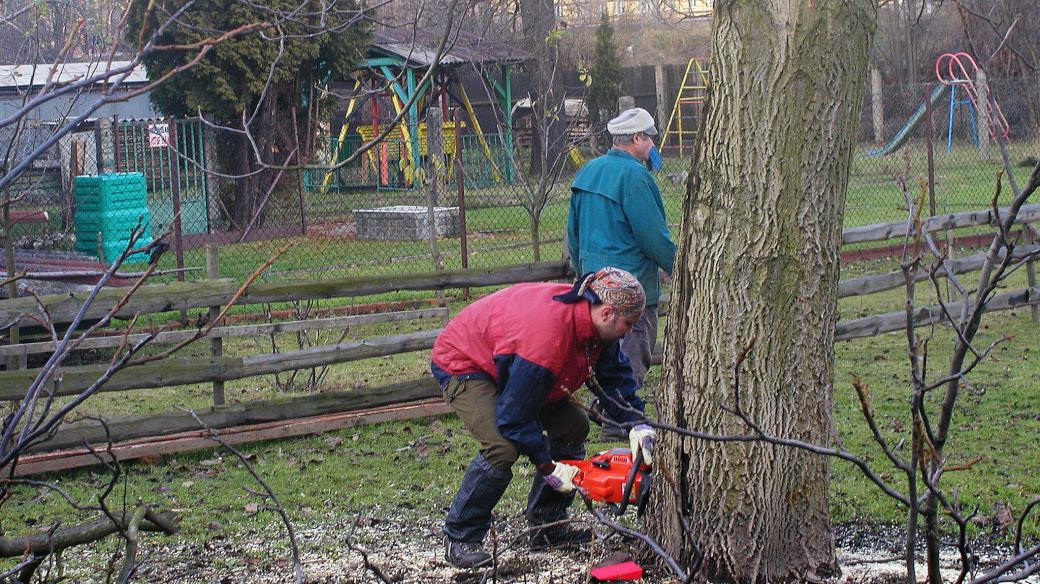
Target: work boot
(613,433)
(610,431)
(463,554)
(469,517)
(560,536)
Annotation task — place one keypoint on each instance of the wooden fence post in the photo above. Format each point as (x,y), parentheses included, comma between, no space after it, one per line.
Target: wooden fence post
(982,114)
(877,105)
(216,344)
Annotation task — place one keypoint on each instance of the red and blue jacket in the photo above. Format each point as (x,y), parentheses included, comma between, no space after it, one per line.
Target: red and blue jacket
(538,350)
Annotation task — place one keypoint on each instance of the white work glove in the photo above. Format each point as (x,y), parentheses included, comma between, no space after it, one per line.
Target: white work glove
(642,437)
(562,477)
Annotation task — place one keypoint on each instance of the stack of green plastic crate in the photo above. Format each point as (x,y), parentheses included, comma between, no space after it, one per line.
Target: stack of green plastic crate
(111,204)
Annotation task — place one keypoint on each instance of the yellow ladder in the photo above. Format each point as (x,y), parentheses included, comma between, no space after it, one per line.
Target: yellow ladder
(691,96)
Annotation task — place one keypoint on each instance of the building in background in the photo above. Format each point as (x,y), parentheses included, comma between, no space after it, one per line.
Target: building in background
(586,12)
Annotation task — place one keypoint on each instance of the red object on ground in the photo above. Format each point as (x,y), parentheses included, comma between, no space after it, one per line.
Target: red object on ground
(623,571)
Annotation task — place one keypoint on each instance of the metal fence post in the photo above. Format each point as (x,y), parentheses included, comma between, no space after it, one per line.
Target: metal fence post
(216,344)
(175,193)
(99,148)
(460,180)
(431,183)
(931,149)
(116,158)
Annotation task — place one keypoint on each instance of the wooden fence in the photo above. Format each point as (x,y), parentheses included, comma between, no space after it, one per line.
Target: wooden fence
(267,419)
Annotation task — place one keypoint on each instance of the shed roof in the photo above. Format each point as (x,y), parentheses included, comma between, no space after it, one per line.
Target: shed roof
(419,46)
(35,75)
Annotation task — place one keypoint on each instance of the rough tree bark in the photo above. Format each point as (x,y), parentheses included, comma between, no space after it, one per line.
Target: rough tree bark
(758,259)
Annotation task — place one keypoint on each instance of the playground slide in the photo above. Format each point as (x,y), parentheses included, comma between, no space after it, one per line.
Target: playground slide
(901,136)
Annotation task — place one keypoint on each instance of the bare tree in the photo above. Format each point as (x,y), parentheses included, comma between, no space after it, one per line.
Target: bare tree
(39,414)
(538,19)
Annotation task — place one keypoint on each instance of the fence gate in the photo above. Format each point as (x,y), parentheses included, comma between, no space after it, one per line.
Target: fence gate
(171,155)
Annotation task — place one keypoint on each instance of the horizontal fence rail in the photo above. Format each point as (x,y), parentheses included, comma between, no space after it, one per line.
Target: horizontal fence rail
(62,308)
(870,326)
(893,229)
(185,370)
(131,427)
(889,281)
(252,330)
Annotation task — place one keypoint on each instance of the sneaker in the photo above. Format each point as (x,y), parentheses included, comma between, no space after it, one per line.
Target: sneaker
(560,536)
(463,554)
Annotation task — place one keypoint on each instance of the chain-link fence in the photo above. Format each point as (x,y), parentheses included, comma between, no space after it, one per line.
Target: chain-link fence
(371,216)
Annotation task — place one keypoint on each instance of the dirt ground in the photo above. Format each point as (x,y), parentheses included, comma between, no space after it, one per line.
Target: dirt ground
(409,550)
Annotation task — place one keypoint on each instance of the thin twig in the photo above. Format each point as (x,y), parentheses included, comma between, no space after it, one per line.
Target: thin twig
(278,508)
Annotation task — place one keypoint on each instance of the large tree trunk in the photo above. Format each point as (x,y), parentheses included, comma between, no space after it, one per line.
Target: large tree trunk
(758,260)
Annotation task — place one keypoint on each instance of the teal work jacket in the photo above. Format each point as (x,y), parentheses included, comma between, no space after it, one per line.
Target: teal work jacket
(617,219)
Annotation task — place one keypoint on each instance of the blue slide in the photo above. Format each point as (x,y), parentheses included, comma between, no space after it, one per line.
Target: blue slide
(901,136)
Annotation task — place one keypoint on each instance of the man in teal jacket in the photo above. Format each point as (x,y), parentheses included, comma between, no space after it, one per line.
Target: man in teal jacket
(617,219)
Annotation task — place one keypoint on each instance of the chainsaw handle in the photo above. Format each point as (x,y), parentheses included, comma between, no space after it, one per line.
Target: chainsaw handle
(626,492)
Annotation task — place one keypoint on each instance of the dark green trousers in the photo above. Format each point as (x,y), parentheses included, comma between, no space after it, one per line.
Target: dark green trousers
(474,402)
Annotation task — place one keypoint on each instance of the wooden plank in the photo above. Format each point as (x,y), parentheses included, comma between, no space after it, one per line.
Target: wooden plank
(259,412)
(895,321)
(883,231)
(186,370)
(174,296)
(894,279)
(171,337)
(29,216)
(49,462)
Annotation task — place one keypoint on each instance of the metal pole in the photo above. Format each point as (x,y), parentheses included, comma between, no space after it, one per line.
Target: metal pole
(115,142)
(460,181)
(216,345)
(175,192)
(931,155)
(99,149)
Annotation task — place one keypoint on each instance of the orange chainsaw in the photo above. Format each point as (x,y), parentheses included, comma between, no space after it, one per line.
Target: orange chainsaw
(613,477)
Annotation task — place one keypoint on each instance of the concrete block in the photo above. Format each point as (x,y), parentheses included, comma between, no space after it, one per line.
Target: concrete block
(405,223)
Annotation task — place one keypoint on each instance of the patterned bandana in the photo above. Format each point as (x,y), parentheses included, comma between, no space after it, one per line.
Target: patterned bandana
(611,286)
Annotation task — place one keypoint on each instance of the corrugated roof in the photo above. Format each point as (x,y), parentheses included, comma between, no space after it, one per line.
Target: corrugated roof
(26,76)
(419,47)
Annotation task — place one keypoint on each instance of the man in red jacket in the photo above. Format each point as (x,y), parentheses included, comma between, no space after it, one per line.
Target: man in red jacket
(507,365)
